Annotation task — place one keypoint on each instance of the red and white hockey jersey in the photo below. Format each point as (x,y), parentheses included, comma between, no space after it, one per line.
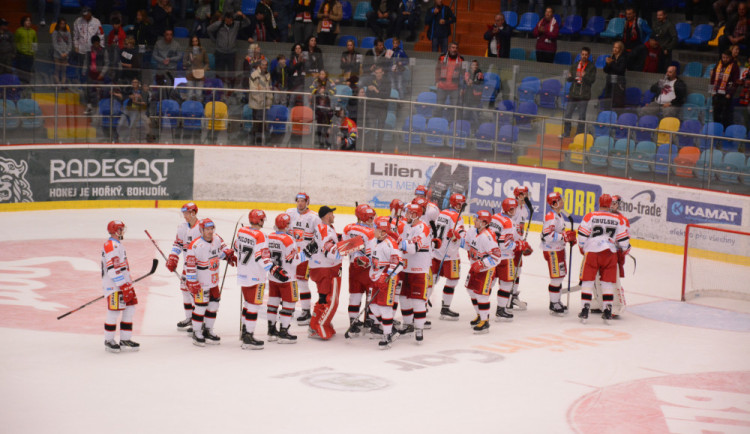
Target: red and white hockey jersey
(505,234)
(303,226)
(359,230)
(186,234)
(482,246)
(284,253)
(601,231)
(115,268)
(202,262)
(520,218)
(415,244)
(430,214)
(552,232)
(253,257)
(445,222)
(327,256)
(386,258)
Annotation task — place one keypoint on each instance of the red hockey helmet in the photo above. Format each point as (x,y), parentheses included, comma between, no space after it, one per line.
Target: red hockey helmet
(553,197)
(383,223)
(421,190)
(397,204)
(414,208)
(605,202)
(421,202)
(114,226)
(509,203)
(616,201)
(206,223)
(364,212)
(256,217)
(282,221)
(484,215)
(302,195)
(457,200)
(522,189)
(190,206)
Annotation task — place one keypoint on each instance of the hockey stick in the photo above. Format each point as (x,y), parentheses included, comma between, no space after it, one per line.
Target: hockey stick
(161,253)
(570,259)
(231,246)
(635,264)
(154,264)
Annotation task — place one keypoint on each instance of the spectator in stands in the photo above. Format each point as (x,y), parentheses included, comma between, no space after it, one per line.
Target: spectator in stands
(280,80)
(438,21)
(398,69)
(143,31)
(134,125)
(265,18)
(84,27)
(498,38)
(653,56)
(96,67)
(665,33)
(314,62)
(546,32)
(163,16)
(26,45)
(343,130)
(382,18)
(509,5)
(330,14)
(284,14)
(736,31)
(377,87)
(615,68)
(448,77)
(297,70)
(130,61)
(352,107)
(167,54)
(581,77)
(260,100)
(43,9)
(115,41)
(632,38)
(744,97)
(472,87)
(725,80)
(303,20)
(377,55)
(224,35)
(351,61)
(62,45)
(251,62)
(322,90)
(202,18)
(7,48)
(407,17)
(724,9)
(671,93)
(195,63)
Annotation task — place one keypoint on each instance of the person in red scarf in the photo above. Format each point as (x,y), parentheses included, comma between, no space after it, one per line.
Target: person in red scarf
(546,32)
(581,76)
(632,37)
(448,76)
(724,81)
(654,55)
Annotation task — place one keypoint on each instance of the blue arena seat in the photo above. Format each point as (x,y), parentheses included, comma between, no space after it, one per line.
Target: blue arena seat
(614,28)
(701,35)
(528,21)
(594,27)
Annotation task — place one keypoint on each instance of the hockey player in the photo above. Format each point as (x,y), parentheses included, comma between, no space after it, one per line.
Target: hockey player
(118,289)
(618,304)
(554,237)
(359,263)
(450,231)
(187,231)
(431,211)
(522,215)
(510,246)
(325,271)
(253,264)
(485,255)
(601,235)
(415,245)
(385,265)
(282,285)
(202,274)
(304,222)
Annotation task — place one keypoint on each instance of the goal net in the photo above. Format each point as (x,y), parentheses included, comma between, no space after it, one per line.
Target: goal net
(716,263)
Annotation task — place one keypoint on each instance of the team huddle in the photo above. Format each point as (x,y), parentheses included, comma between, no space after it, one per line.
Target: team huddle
(394,262)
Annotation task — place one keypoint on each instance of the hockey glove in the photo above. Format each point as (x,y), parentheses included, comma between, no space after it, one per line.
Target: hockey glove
(329,247)
(172,262)
(310,249)
(193,286)
(279,273)
(528,250)
(436,243)
(128,293)
(229,256)
(570,237)
(476,267)
(362,261)
(453,235)
(521,246)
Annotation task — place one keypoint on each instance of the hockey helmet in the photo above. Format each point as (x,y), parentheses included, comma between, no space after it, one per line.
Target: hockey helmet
(553,198)
(421,190)
(383,223)
(457,200)
(605,202)
(508,204)
(206,223)
(616,202)
(302,195)
(256,217)
(364,212)
(397,205)
(421,202)
(114,226)
(282,221)
(522,189)
(190,206)
(484,216)
(415,209)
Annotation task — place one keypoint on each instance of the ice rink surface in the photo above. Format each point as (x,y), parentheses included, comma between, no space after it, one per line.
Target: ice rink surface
(666,366)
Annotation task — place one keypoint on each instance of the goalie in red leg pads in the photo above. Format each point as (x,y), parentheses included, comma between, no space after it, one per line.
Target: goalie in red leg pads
(386,263)
(505,272)
(118,289)
(555,235)
(325,271)
(303,224)
(202,272)
(187,232)
(361,237)
(484,254)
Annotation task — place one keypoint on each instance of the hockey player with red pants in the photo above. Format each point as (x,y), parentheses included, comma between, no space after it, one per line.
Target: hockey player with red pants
(325,271)
(282,286)
(484,254)
(386,263)
(554,238)
(118,289)
(187,232)
(359,264)
(415,246)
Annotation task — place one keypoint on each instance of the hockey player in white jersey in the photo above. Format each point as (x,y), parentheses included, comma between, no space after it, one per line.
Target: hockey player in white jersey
(325,271)
(449,232)
(520,218)
(554,237)
(506,234)
(187,231)
(202,273)
(431,210)
(359,263)
(618,304)
(415,245)
(253,264)
(385,266)
(118,289)
(304,222)
(485,256)
(282,283)
(601,235)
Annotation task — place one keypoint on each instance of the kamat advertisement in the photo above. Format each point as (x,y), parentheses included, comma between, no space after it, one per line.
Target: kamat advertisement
(389,179)
(40,175)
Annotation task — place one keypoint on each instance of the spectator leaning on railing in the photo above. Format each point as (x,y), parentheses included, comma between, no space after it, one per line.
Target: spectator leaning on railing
(498,38)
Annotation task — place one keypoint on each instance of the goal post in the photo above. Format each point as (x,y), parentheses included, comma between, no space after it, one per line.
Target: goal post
(716,262)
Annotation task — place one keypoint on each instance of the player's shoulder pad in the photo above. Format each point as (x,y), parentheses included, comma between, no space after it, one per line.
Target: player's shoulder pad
(192,243)
(549,216)
(323,229)
(109,245)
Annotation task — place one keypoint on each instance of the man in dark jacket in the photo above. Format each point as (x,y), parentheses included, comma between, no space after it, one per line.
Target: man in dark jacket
(581,76)
(384,10)
(378,89)
(407,17)
(615,67)
(498,38)
(438,21)
(736,31)
(670,92)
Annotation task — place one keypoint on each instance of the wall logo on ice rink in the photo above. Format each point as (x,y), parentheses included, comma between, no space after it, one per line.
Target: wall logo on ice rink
(14,187)
(346,382)
(687,211)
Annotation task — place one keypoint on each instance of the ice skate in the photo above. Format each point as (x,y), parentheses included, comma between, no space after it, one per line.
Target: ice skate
(419,336)
(428,325)
(387,340)
(185,324)
(556,308)
(503,314)
(482,327)
(475,321)
(111,346)
(584,315)
(273,334)
(517,303)
(250,343)
(355,327)
(408,328)
(210,337)
(447,314)
(129,345)
(376,331)
(606,316)
(285,337)
(304,318)
(198,341)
